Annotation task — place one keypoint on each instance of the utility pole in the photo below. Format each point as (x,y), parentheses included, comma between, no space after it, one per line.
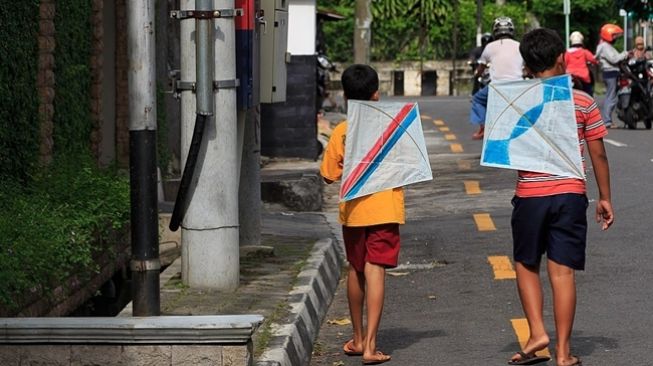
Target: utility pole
(210,251)
(479,22)
(145,264)
(362,32)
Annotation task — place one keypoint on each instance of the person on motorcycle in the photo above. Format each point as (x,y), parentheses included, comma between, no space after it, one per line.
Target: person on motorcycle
(577,59)
(640,52)
(609,59)
(474,56)
(504,60)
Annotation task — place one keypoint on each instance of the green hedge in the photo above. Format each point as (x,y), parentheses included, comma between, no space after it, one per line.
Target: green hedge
(53,228)
(19,120)
(72,103)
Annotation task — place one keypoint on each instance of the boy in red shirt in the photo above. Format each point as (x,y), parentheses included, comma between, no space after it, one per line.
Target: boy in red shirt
(370,229)
(549,214)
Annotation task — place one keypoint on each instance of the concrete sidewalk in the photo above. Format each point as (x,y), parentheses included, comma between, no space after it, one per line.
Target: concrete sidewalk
(290,279)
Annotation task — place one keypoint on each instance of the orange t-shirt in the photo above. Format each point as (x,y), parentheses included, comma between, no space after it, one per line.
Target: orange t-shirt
(374,209)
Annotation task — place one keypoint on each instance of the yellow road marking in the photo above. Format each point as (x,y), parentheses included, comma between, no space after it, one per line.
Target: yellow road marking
(449,136)
(457,148)
(472,187)
(439,122)
(424,116)
(484,222)
(523,332)
(502,267)
(444,129)
(464,164)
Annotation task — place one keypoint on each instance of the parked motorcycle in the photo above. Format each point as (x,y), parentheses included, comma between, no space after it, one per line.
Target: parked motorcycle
(635,92)
(324,67)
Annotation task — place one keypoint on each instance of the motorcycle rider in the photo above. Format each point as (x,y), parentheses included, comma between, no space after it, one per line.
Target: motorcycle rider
(640,52)
(609,59)
(474,55)
(577,59)
(505,63)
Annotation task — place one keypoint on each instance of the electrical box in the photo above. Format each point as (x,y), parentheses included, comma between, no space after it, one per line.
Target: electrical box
(274,55)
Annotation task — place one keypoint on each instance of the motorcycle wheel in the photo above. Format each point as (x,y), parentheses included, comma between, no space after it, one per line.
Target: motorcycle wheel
(630,120)
(647,124)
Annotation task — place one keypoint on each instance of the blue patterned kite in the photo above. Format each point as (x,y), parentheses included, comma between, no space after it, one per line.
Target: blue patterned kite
(531,125)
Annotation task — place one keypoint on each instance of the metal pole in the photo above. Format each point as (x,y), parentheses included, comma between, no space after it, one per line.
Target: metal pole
(145,264)
(479,22)
(210,251)
(566,9)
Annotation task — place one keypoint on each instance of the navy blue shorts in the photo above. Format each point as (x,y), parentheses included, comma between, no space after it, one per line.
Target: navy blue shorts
(555,225)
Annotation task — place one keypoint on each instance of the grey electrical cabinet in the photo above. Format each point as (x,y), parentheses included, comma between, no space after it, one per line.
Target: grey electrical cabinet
(274,55)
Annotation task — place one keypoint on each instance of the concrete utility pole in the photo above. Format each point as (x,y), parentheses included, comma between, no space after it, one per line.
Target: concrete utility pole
(362,32)
(145,264)
(479,22)
(210,253)
(249,192)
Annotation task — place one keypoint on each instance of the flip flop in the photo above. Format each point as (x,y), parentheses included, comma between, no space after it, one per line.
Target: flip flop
(380,358)
(348,349)
(577,363)
(528,359)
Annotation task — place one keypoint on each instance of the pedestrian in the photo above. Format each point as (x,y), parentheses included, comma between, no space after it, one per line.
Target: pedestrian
(505,63)
(549,214)
(370,228)
(609,59)
(577,59)
(640,52)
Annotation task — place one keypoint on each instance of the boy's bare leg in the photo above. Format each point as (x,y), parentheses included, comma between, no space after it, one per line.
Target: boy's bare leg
(563,284)
(530,293)
(375,292)
(355,297)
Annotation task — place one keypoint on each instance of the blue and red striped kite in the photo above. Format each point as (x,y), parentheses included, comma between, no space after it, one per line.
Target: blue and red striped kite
(384,149)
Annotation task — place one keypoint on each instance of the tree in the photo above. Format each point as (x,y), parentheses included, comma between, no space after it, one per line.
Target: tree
(426,13)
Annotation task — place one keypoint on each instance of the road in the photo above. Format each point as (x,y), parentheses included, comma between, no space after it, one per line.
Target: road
(446,304)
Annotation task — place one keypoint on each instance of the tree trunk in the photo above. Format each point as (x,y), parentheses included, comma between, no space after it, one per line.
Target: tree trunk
(362,32)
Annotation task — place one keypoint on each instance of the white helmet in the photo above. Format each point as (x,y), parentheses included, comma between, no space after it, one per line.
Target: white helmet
(503,26)
(576,38)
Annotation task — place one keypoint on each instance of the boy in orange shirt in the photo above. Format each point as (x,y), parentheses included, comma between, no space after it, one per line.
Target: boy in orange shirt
(549,214)
(370,229)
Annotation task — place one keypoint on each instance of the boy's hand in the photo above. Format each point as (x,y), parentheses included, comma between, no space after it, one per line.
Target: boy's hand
(604,214)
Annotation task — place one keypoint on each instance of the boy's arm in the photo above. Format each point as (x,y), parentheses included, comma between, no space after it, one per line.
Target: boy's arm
(604,213)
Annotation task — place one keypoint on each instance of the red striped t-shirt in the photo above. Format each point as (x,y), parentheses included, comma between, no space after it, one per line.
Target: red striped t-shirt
(590,127)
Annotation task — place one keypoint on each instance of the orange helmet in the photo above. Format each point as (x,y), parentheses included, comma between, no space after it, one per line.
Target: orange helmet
(610,32)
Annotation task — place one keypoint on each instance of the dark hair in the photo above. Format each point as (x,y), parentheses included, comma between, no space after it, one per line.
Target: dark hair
(359,82)
(540,49)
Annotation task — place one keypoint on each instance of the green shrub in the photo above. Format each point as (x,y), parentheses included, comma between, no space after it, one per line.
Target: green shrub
(52,228)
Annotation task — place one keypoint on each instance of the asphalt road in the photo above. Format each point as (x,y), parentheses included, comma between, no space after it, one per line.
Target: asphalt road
(444,305)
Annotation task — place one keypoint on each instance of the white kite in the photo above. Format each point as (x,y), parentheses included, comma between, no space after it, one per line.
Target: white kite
(531,125)
(385,148)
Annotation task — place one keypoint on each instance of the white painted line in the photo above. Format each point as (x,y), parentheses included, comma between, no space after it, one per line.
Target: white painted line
(615,143)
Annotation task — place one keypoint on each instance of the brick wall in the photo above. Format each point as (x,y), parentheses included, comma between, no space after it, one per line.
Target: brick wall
(97,76)
(122,95)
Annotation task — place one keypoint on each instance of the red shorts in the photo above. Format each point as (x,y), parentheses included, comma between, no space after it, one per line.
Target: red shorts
(378,244)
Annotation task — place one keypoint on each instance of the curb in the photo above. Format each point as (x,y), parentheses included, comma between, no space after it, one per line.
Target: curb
(292,342)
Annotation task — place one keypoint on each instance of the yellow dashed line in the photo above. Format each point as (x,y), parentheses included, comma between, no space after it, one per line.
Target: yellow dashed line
(502,267)
(444,129)
(457,148)
(464,164)
(438,122)
(484,222)
(449,136)
(472,187)
(424,116)
(521,329)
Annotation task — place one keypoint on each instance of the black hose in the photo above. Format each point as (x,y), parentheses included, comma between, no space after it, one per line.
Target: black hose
(189,169)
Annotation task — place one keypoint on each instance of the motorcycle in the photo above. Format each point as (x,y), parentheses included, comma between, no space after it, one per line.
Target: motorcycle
(635,92)
(324,67)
